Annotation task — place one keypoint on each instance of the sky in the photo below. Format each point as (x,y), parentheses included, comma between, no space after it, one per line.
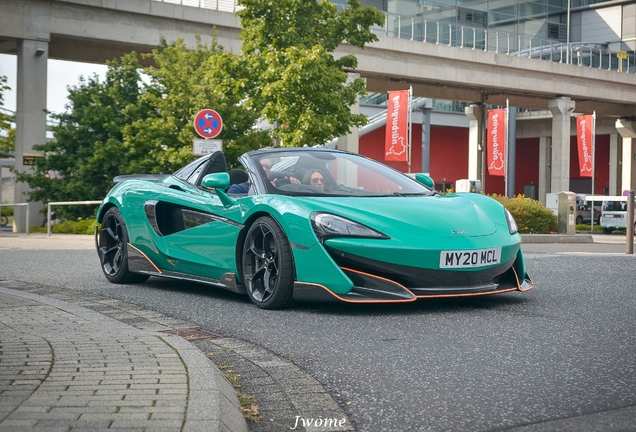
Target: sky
(60,75)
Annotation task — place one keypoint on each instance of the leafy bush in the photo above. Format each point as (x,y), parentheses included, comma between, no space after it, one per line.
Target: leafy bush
(7,211)
(83,226)
(531,216)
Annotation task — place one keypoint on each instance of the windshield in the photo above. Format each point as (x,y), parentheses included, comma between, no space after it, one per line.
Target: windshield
(312,172)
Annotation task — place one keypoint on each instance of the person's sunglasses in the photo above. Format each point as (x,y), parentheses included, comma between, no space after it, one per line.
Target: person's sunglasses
(317,180)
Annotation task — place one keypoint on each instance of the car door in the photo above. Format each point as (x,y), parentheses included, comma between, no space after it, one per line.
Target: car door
(199,231)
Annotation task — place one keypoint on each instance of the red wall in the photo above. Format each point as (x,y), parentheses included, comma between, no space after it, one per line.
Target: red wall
(601,162)
(526,169)
(449,158)
(448,155)
(372,146)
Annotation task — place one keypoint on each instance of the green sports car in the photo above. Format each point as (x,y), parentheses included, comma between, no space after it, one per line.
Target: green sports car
(308,224)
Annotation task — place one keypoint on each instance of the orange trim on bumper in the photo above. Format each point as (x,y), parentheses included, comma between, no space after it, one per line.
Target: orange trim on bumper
(145,256)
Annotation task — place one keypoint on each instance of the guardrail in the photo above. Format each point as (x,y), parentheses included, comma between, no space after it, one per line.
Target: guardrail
(59,203)
(20,205)
(418,28)
(220,5)
(489,40)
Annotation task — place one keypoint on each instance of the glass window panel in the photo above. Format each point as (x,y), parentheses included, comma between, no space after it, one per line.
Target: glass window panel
(556,17)
(496,17)
(480,4)
(534,28)
(533,9)
(562,4)
(509,9)
(443,2)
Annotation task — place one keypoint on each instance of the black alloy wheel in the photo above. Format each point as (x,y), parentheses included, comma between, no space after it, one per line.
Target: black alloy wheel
(268,268)
(112,249)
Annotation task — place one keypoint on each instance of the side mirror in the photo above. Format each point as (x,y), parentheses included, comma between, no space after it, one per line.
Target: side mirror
(425,180)
(220,180)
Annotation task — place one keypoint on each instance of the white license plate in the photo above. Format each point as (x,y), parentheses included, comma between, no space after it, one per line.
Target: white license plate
(470,258)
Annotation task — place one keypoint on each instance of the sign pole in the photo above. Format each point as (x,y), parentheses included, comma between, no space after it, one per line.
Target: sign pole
(506,150)
(410,126)
(593,162)
(629,237)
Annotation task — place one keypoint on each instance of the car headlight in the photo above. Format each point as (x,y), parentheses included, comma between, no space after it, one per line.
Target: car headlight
(330,225)
(512,225)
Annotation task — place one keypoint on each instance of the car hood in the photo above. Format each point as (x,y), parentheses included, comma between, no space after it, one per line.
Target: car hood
(425,216)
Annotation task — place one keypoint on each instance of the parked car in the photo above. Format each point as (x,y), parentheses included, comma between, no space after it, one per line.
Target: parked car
(584,215)
(584,211)
(361,233)
(614,216)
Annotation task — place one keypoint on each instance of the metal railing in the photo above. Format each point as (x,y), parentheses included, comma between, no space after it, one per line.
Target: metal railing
(219,5)
(418,28)
(488,40)
(20,205)
(59,203)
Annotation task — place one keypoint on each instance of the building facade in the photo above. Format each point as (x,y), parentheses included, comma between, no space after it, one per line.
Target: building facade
(589,28)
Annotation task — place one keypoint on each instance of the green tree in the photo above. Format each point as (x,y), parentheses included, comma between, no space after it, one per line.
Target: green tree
(182,82)
(290,74)
(129,124)
(7,144)
(88,150)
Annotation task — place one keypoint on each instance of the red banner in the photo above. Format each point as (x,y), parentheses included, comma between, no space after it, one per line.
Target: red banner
(496,143)
(584,129)
(396,139)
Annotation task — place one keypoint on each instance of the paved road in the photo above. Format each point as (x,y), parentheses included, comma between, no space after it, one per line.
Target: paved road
(560,357)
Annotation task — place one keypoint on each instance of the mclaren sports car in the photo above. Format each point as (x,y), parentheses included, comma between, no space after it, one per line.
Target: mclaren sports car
(308,224)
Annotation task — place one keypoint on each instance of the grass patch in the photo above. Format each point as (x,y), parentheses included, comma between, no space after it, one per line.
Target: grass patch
(586,227)
(249,408)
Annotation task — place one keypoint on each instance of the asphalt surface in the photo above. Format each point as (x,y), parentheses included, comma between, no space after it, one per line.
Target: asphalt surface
(560,357)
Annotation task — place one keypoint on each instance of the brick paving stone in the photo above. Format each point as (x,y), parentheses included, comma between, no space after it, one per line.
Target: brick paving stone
(64,366)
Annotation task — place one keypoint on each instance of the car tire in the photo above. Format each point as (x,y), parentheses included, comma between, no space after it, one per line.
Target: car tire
(267,264)
(579,220)
(607,230)
(113,249)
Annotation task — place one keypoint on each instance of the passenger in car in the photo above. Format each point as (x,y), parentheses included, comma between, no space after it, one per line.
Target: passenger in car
(316,178)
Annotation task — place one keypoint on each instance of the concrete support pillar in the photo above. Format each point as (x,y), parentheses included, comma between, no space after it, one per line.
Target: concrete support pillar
(626,128)
(561,109)
(426,140)
(475,114)
(614,166)
(545,169)
(30,120)
(351,141)
(627,169)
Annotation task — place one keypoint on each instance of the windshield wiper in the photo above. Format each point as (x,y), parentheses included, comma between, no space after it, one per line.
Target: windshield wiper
(407,194)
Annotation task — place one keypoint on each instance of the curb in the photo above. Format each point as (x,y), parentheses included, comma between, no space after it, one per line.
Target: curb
(211,403)
(556,238)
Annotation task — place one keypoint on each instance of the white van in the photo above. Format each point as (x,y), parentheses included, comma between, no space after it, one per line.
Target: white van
(614,216)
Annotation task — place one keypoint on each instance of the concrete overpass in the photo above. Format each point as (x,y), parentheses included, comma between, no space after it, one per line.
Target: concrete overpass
(97,30)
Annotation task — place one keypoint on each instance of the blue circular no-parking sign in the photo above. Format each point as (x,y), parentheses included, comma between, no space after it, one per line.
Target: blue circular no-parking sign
(208,123)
